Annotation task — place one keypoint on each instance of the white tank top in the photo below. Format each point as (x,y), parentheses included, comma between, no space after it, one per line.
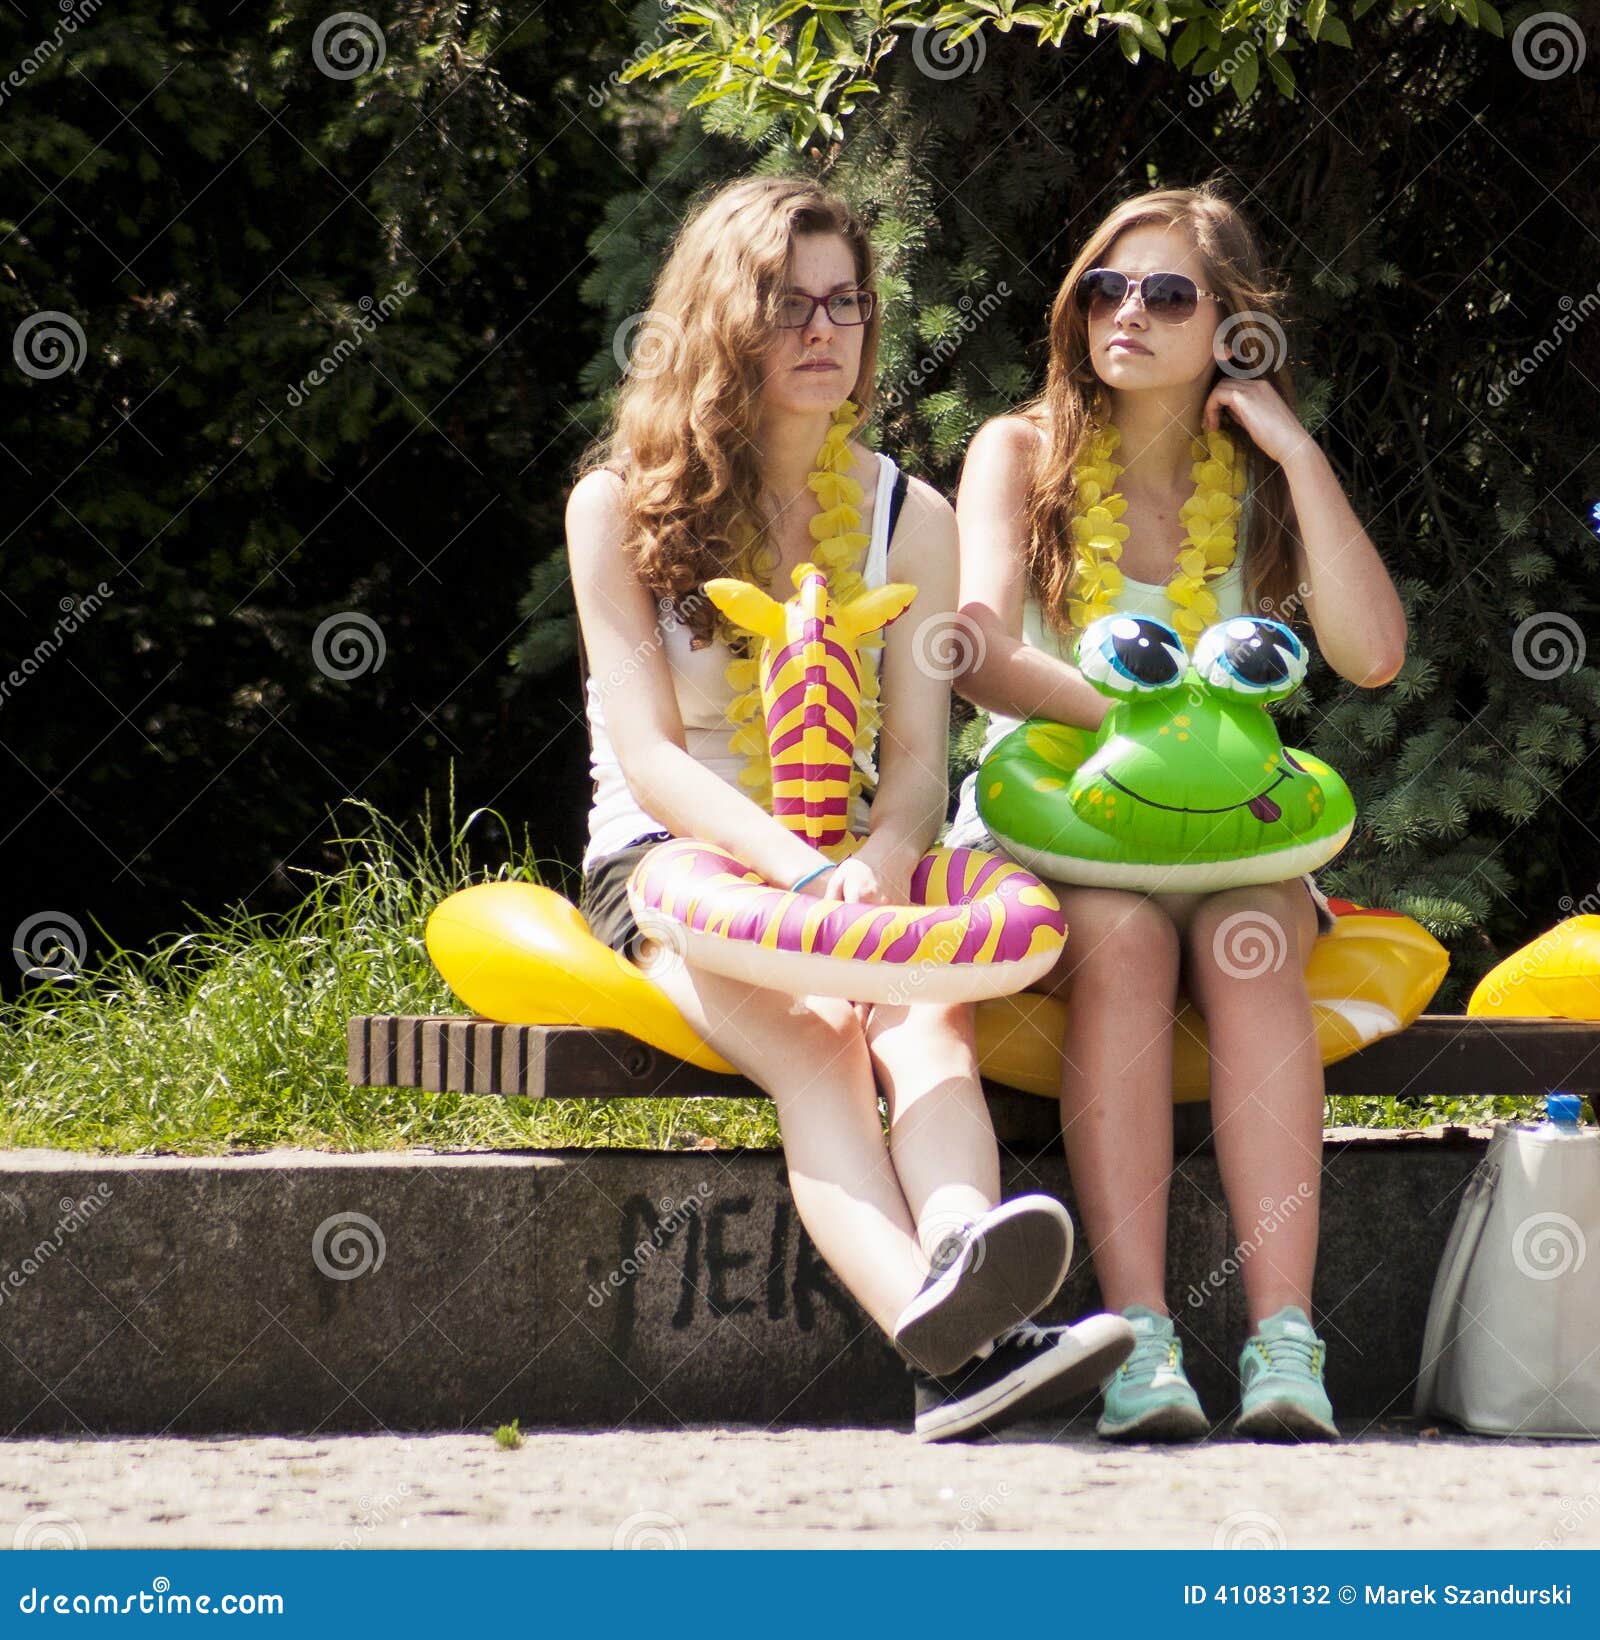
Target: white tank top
(699,679)
(967,829)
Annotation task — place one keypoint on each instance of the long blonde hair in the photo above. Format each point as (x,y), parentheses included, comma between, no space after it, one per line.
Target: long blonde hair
(1074,396)
(683,431)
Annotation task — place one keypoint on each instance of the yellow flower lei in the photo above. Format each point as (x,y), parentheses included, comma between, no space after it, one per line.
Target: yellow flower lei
(1210,517)
(840,548)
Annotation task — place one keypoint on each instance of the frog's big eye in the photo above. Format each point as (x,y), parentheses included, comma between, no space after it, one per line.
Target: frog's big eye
(1130,655)
(1251,656)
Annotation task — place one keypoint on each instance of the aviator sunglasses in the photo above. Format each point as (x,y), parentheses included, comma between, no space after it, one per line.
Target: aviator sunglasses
(1169,296)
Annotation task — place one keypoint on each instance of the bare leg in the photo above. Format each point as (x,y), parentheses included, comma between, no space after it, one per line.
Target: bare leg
(812,1059)
(1119,977)
(940,1134)
(1245,951)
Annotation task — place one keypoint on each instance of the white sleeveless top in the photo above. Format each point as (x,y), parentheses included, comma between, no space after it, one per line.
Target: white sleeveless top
(967,829)
(699,679)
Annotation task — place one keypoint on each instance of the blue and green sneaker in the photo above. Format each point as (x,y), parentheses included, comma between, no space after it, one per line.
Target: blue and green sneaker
(1280,1382)
(1148,1398)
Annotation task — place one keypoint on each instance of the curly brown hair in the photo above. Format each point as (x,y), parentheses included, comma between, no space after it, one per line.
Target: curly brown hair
(683,431)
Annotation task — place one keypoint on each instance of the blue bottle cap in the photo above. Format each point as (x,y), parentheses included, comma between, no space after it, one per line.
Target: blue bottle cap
(1563,1107)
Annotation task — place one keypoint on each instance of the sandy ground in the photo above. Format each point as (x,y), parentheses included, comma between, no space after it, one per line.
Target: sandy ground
(713,1487)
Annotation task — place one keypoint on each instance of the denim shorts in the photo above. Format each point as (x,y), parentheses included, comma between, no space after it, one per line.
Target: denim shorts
(1325,916)
(604,900)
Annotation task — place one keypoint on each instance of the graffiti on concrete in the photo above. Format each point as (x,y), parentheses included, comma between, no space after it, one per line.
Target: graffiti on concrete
(723,1259)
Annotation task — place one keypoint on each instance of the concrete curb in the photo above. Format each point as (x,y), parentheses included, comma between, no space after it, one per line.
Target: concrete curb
(301,1291)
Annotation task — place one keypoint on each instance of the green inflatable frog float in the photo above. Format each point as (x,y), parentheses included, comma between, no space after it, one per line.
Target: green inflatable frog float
(1186,785)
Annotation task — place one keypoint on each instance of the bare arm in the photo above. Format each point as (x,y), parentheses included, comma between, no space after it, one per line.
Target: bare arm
(622,636)
(1008,676)
(913,745)
(1350,601)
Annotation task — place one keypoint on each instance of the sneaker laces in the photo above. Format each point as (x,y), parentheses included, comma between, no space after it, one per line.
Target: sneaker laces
(1028,1334)
(1151,1352)
(1298,1354)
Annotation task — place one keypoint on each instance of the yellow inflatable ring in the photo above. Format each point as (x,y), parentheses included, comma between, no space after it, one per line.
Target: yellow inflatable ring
(523,954)
(1368,977)
(1557,976)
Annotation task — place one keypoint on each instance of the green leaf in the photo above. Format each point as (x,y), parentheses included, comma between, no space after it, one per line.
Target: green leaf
(1334,33)
(844,48)
(1316,10)
(728,86)
(1244,75)
(962,31)
(649,67)
(1150,36)
(1188,43)
(1282,74)
(805,50)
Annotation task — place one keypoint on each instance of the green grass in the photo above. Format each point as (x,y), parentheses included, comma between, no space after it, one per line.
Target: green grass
(232,1037)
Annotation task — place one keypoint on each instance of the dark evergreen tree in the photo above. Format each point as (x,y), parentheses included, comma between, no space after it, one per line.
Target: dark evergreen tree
(202,205)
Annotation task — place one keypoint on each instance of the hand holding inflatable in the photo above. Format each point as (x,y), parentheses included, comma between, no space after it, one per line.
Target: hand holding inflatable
(978,925)
(1186,785)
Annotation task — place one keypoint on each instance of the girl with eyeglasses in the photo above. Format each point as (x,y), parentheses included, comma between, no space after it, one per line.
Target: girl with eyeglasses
(760,345)
(1168,408)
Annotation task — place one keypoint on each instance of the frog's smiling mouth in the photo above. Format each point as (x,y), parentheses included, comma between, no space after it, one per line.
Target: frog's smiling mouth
(1261,805)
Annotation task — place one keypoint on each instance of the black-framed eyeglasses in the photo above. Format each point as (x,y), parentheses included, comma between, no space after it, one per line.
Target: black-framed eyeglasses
(1169,296)
(794,308)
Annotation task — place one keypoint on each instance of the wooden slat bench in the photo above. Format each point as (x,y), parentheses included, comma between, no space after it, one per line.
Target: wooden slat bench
(1440,1055)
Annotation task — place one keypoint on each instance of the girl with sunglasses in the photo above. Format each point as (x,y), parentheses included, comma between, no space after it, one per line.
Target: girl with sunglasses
(755,363)
(1167,401)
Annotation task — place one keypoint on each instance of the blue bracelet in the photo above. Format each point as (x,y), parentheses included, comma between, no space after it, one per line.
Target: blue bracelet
(827,865)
